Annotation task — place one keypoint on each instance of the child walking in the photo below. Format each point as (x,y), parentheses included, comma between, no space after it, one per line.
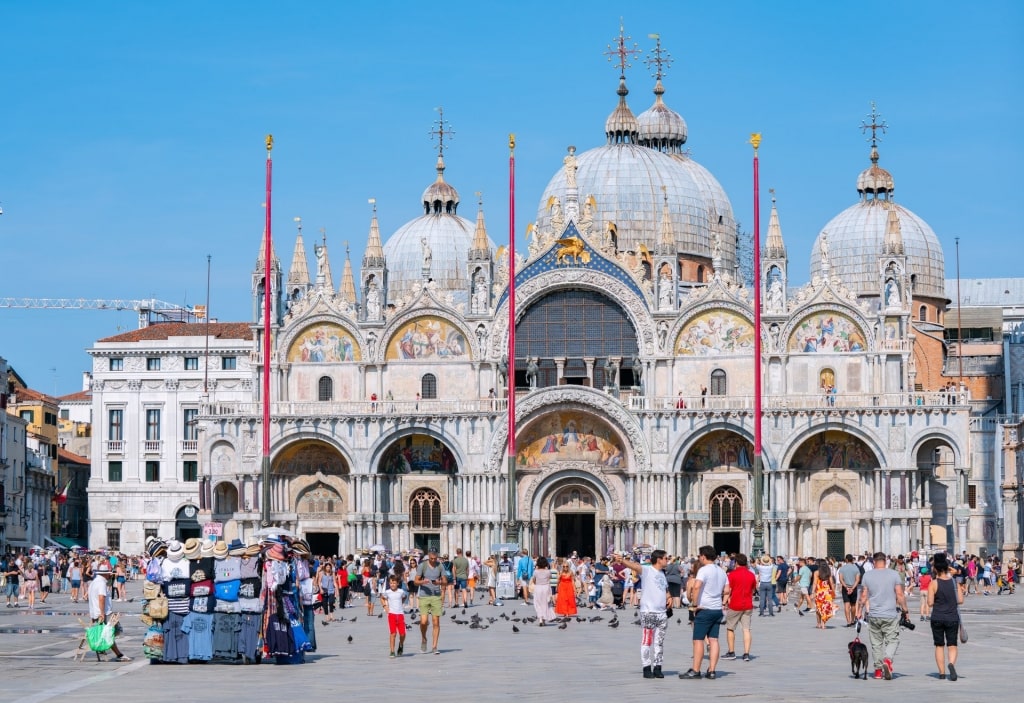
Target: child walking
(393,600)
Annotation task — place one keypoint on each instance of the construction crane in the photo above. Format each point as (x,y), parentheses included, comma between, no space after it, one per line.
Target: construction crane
(150,310)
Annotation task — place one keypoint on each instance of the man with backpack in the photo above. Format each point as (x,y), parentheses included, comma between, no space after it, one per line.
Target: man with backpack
(524,572)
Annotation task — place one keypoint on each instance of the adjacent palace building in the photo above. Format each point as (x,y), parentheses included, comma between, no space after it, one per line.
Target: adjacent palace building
(633,379)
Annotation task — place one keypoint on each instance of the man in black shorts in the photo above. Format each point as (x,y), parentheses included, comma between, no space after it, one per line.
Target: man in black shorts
(849,581)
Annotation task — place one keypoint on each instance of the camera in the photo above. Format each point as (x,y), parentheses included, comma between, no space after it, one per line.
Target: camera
(905,621)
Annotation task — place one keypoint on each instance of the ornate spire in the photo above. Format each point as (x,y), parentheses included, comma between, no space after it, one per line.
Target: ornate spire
(348,281)
(774,247)
(323,263)
(481,249)
(658,62)
(893,244)
(298,274)
(260,260)
(373,257)
(667,241)
(621,126)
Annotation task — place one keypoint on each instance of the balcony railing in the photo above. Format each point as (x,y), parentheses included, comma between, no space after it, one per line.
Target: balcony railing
(189,446)
(115,446)
(801,401)
(152,446)
(382,408)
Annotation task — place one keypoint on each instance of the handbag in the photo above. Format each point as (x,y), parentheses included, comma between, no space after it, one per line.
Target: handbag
(100,637)
(963,630)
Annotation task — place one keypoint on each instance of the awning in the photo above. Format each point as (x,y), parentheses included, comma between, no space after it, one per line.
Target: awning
(64,542)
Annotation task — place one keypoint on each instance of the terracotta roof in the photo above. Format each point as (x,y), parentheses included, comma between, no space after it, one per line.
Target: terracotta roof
(63,455)
(163,330)
(23,394)
(74,397)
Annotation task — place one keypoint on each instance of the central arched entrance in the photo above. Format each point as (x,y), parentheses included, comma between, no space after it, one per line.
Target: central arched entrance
(574,510)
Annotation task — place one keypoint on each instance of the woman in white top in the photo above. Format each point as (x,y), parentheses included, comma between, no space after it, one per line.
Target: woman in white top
(540,583)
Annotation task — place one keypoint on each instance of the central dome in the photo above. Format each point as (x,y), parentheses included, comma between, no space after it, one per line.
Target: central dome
(626,177)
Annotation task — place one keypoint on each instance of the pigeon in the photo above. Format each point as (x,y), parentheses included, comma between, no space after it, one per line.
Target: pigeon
(613,624)
(454,617)
(350,639)
(492,620)
(513,612)
(679,621)
(463,611)
(380,616)
(563,626)
(515,629)
(579,619)
(516,620)
(353,620)
(596,618)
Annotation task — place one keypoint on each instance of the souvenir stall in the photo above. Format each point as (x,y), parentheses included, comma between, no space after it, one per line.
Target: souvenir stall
(208,600)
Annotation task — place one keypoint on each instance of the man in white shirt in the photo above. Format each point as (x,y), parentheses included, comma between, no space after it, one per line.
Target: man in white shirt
(99,603)
(706,592)
(654,604)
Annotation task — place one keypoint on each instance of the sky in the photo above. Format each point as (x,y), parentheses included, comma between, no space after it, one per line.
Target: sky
(132,134)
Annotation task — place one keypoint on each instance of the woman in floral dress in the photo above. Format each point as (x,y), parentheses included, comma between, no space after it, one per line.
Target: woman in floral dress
(824,589)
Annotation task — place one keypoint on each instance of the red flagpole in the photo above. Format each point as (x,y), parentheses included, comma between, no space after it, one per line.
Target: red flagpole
(267,293)
(758,542)
(512,531)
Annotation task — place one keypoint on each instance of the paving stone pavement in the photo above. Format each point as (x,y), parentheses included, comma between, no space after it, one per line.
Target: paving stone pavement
(791,660)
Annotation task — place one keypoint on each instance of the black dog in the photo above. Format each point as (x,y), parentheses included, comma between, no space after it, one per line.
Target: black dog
(858,658)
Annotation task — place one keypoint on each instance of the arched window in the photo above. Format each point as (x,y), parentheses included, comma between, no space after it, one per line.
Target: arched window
(726,508)
(325,389)
(700,274)
(922,314)
(718,382)
(425,510)
(428,386)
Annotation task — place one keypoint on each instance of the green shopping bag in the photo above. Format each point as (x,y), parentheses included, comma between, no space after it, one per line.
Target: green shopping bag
(100,637)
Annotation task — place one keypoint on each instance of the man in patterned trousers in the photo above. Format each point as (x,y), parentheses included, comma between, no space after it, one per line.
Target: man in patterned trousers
(655,609)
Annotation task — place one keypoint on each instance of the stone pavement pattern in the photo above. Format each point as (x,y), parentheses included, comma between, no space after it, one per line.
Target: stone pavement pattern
(792,661)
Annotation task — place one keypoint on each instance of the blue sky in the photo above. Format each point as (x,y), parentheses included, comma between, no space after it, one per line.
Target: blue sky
(131,134)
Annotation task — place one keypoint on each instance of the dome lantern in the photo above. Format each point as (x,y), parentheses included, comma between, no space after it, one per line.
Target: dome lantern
(621,126)
(660,127)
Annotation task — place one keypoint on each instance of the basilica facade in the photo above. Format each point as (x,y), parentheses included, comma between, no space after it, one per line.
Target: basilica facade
(633,375)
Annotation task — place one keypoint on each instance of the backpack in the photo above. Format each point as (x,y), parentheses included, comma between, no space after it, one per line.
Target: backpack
(153,571)
(156,608)
(150,590)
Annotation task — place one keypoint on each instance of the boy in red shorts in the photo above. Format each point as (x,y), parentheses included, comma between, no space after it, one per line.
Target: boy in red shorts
(393,600)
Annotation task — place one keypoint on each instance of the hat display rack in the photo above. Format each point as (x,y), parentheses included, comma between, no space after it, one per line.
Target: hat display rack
(212,600)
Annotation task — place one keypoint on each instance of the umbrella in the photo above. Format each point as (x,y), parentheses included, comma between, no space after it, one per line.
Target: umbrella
(378,548)
(273,531)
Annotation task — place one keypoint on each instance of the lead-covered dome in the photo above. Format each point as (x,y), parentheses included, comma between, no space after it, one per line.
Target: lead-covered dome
(856,237)
(448,239)
(626,177)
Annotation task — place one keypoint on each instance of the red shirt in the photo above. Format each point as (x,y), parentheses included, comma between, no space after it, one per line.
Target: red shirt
(742,582)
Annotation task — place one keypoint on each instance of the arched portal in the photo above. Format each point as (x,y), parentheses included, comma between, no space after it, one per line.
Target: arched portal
(936,463)
(836,495)
(186,523)
(298,465)
(574,512)
(225,499)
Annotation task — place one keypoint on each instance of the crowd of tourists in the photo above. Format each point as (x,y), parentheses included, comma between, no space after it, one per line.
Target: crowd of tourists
(715,589)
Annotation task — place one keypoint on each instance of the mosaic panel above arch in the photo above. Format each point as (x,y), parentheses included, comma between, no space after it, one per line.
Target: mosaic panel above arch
(714,333)
(324,342)
(827,332)
(308,457)
(720,450)
(428,338)
(569,435)
(418,454)
(834,450)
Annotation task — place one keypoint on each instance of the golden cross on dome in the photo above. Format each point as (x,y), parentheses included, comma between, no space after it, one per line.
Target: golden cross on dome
(659,58)
(875,126)
(441,130)
(480,198)
(621,51)
(771,191)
